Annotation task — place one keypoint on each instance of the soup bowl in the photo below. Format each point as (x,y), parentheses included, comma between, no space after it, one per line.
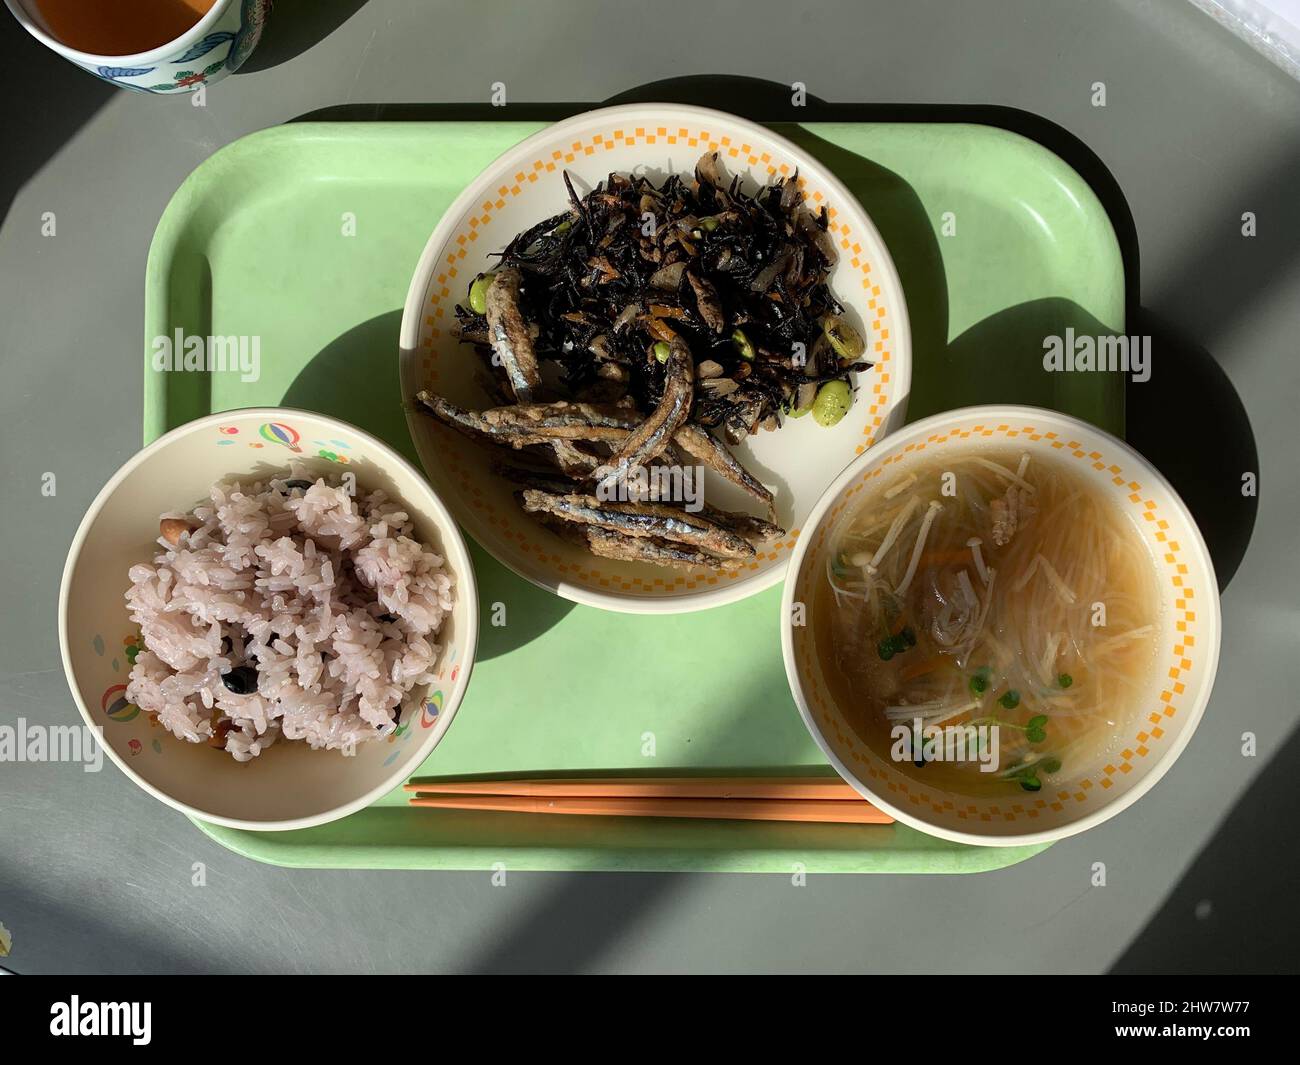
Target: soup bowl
(1170,698)
(289,785)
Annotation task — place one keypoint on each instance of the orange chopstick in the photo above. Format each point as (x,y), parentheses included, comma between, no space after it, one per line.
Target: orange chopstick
(821,788)
(859,813)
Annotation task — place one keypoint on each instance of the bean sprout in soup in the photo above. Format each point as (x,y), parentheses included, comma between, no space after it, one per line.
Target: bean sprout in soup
(989,589)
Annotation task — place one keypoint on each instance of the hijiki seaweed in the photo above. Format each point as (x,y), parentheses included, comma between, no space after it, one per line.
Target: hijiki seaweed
(666,311)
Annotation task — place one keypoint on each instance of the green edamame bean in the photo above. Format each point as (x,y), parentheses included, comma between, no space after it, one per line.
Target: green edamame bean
(478,293)
(661,351)
(845,341)
(833,401)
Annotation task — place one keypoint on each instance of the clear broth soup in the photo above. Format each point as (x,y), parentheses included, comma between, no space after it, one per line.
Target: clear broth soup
(988,589)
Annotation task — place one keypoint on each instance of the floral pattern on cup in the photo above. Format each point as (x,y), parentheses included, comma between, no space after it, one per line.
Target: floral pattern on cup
(224,48)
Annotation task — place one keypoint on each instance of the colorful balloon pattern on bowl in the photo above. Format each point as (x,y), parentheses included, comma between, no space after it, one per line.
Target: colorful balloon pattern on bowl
(286,436)
(279,433)
(115,705)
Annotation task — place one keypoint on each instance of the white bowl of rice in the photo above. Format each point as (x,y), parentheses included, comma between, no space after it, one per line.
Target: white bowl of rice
(269,618)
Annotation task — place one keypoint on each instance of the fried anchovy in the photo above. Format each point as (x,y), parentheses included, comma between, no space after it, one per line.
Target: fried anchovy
(560,417)
(544,480)
(656,432)
(474,425)
(701,445)
(466,421)
(640,519)
(573,460)
(698,443)
(610,544)
(521,426)
(556,420)
(509,334)
(755,530)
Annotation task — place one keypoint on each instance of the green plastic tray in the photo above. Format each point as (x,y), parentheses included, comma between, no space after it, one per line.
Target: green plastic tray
(998,243)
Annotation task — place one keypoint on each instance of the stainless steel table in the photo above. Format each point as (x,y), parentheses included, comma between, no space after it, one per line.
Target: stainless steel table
(1197,129)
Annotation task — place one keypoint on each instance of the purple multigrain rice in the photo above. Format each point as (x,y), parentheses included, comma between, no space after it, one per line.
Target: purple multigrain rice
(293,584)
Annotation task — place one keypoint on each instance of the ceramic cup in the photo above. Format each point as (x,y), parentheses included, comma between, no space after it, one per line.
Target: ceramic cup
(214,46)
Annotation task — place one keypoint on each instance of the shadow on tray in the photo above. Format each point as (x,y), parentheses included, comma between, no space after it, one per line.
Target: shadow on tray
(908,233)
(354,377)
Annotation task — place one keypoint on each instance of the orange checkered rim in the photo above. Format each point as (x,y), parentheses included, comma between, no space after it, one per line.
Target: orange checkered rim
(1151,732)
(441,300)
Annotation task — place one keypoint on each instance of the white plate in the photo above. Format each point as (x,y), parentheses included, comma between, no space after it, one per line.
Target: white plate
(797,462)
